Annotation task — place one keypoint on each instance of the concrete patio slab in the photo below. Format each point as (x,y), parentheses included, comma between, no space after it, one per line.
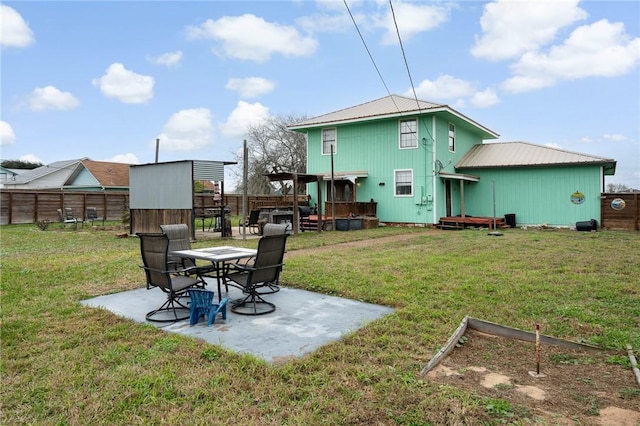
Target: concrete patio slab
(303,321)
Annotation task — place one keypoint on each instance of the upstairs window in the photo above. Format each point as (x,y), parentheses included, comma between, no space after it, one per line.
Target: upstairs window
(408,133)
(328,141)
(452,137)
(403,183)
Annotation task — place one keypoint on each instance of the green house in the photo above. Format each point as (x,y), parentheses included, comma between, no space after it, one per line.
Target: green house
(416,162)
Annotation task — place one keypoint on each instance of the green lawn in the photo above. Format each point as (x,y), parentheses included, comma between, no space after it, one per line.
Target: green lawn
(63,363)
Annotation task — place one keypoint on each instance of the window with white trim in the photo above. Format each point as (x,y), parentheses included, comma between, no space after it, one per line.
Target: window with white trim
(403,183)
(329,140)
(409,133)
(452,137)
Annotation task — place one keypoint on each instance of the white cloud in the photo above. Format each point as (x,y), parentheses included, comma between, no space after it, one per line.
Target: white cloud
(445,87)
(50,97)
(326,23)
(602,49)
(7,137)
(411,18)
(249,37)
(614,137)
(511,28)
(127,158)
(251,87)
(14,31)
(242,117)
(124,85)
(485,99)
(31,158)
(169,59)
(553,145)
(187,130)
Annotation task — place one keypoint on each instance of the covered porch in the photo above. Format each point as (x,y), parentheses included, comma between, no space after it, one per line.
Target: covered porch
(449,221)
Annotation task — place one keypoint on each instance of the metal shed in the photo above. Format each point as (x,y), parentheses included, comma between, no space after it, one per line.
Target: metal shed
(163,193)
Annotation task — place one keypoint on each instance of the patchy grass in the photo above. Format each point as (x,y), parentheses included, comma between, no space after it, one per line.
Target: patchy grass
(63,363)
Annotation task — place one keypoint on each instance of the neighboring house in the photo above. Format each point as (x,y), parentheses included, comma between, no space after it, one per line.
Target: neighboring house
(7,175)
(80,175)
(420,161)
(74,175)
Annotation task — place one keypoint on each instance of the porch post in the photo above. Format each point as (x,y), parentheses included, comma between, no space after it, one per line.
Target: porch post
(296,212)
(462,198)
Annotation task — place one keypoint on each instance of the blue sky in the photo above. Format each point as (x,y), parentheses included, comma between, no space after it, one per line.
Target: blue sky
(105,79)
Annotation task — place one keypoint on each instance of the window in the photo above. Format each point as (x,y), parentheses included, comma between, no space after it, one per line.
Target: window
(452,137)
(409,133)
(404,183)
(328,141)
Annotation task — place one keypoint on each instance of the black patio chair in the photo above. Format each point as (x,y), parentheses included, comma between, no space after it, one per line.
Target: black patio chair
(251,222)
(68,214)
(264,270)
(92,215)
(67,218)
(154,249)
(179,239)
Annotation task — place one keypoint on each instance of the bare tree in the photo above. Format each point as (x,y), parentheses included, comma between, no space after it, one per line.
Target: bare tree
(618,187)
(272,148)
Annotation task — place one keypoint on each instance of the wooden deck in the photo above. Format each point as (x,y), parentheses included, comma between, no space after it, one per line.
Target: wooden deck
(458,222)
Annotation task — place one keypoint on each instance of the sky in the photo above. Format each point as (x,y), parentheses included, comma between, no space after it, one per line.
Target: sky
(104,80)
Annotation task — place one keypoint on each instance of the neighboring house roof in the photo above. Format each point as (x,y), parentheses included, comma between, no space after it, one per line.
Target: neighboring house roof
(7,173)
(108,174)
(524,154)
(76,174)
(387,107)
(47,170)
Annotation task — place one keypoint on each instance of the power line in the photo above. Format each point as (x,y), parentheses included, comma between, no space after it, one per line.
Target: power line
(370,55)
(378,70)
(406,64)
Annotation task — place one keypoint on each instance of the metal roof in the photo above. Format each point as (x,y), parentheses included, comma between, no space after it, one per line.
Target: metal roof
(524,154)
(387,107)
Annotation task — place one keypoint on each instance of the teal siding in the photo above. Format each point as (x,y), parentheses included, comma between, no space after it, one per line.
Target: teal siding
(536,195)
(85,178)
(373,147)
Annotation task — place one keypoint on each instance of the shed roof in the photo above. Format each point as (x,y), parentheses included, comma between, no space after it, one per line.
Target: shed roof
(524,154)
(387,107)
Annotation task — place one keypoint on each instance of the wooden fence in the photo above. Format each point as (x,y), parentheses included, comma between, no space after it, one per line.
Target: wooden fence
(620,211)
(30,206)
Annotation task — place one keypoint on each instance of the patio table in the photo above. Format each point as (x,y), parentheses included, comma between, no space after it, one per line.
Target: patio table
(217,256)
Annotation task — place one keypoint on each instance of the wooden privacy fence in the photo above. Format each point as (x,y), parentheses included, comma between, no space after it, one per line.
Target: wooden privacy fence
(620,210)
(30,206)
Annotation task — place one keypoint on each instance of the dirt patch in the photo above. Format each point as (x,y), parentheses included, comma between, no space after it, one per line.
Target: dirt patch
(579,387)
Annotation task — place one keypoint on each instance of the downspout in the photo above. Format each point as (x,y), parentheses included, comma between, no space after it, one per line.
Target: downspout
(433,172)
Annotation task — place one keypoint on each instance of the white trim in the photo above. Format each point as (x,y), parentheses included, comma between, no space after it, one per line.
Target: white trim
(335,141)
(435,110)
(459,176)
(400,121)
(395,193)
(433,166)
(449,137)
